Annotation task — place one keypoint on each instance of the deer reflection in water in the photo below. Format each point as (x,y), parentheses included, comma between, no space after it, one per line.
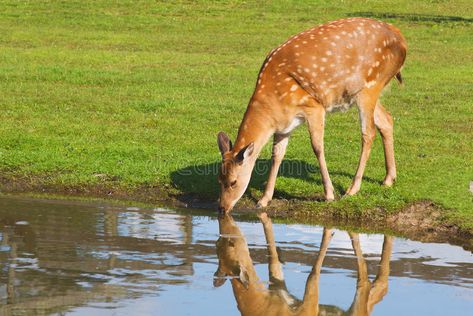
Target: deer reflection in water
(252,296)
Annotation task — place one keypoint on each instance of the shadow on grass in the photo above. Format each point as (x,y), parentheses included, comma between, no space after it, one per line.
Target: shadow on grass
(412,17)
(200,181)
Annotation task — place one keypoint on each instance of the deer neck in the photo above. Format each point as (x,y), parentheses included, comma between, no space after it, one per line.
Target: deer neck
(255,128)
(252,300)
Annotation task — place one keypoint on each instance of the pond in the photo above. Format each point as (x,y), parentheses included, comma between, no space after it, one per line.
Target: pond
(60,257)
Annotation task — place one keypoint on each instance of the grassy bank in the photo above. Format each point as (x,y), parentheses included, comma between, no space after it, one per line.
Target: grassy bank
(131,95)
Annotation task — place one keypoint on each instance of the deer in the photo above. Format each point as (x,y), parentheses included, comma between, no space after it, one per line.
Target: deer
(252,296)
(327,68)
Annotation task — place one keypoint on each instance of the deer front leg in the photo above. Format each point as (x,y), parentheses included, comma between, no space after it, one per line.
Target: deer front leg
(316,122)
(366,106)
(384,123)
(279,149)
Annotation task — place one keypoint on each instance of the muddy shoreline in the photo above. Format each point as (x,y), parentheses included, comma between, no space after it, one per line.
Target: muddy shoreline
(422,220)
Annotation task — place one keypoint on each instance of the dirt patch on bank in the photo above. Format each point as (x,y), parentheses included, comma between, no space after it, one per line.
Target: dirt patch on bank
(423,220)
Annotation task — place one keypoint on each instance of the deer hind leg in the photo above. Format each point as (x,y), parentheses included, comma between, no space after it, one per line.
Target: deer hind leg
(366,107)
(384,123)
(359,305)
(279,150)
(380,284)
(316,121)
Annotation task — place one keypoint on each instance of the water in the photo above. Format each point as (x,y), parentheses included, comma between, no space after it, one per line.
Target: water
(66,258)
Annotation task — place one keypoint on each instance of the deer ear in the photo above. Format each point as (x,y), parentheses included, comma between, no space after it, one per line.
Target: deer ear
(243,277)
(219,278)
(224,143)
(245,152)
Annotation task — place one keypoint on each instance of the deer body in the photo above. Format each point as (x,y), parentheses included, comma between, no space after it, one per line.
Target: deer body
(327,68)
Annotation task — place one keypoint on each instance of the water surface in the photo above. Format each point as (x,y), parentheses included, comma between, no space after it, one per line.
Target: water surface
(71,258)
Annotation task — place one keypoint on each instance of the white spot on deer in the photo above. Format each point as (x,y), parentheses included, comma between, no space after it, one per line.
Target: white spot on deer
(296,46)
(333,44)
(304,99)
(324,60)
(370,71)
(294,87)
(288,79)
(370,83)
(322,68)
(329,53)
(306,70)
(314,66)
(304,42)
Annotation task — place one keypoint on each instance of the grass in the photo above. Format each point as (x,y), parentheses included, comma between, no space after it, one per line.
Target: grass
(127,93)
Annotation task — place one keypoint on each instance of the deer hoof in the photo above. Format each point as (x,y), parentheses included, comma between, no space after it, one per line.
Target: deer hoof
(389,181)
(262,203)
(352,191)
(330,197)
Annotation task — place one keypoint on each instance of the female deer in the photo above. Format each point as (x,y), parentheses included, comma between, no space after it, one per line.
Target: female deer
(323,69)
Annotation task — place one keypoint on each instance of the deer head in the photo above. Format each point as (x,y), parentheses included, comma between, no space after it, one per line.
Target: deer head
(235,171)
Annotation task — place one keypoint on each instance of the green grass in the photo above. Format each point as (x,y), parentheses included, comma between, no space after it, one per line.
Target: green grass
(135,92)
